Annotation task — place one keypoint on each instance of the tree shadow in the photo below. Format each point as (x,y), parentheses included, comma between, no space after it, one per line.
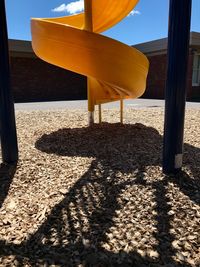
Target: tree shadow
(76,229)
(7,172)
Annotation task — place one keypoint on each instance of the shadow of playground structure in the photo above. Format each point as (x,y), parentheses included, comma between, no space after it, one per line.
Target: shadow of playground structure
(7,172)
(76,228)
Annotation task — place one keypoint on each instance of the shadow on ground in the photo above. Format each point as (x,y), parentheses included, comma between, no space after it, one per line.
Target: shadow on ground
(76,228)
(7,172)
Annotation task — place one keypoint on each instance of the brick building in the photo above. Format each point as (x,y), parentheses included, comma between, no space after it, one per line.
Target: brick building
(156,51)
(35,80)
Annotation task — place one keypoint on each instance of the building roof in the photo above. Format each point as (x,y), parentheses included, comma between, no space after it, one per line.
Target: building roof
(20,46)
(160,46)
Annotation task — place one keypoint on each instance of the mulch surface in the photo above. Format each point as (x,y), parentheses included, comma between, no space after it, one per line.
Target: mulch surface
(96,196)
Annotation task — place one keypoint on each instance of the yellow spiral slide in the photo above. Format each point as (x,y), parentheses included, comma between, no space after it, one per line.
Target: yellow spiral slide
(115,71)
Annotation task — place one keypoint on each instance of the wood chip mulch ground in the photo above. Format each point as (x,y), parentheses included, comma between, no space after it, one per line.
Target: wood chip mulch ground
(96,196)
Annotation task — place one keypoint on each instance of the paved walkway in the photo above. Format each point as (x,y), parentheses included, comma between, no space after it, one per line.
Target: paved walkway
(136,103)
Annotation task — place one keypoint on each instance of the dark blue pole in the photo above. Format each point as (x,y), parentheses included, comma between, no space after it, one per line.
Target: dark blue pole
(7,117)
(175,96)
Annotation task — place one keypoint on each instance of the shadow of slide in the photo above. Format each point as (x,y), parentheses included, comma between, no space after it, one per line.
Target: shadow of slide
(77,229)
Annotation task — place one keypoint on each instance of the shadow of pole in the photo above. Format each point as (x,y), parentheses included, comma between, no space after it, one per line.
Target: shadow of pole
(75,229)
(7,172)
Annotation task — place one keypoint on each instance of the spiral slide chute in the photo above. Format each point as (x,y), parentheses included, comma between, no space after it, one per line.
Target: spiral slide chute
(115,71)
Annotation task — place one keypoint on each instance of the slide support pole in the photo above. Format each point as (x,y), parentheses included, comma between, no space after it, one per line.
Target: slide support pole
(91,106)
(8,133)
(121,110)
(100,116)
(89,27)
(175,95)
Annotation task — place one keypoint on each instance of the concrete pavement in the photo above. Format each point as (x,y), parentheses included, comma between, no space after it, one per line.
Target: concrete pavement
(82,104)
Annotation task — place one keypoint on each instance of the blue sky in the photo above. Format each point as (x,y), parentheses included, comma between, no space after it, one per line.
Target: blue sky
(149,22)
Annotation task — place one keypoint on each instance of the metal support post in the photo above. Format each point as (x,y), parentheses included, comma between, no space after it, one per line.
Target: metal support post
(100,116)
(175,96)
(89,27)
(121,110)
(7,117)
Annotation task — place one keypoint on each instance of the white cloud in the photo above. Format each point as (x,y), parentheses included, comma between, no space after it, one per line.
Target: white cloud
(78,6)
(71,8)
(134,12)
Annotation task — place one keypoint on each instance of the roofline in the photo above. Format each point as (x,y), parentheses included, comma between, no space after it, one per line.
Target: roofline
(160,45)
(20,46)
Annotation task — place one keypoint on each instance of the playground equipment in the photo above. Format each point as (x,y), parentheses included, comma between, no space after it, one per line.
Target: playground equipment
(115,71)
(178,47)
(9,145)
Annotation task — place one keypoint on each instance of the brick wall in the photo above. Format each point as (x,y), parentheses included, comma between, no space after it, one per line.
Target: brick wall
(35,80)
(196,93)
(157,77)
